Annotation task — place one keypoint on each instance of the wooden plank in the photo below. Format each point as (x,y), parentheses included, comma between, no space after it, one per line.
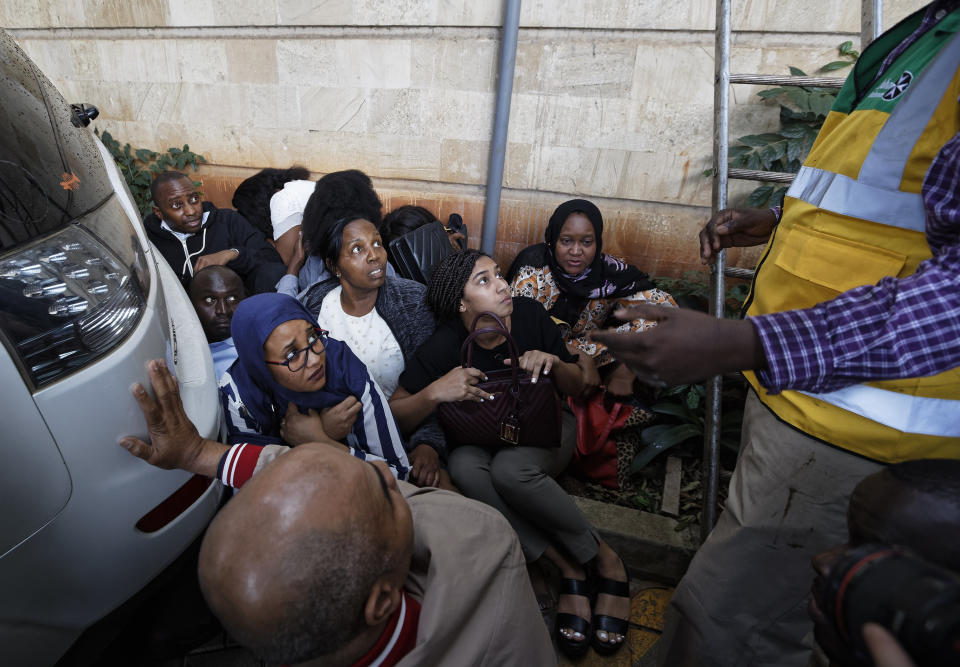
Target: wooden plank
(670,504)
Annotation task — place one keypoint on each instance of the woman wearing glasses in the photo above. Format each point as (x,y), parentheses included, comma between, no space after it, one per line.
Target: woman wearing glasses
(287,365)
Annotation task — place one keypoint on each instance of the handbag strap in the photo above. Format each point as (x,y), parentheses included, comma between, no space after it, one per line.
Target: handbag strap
(466,349)
(492,316)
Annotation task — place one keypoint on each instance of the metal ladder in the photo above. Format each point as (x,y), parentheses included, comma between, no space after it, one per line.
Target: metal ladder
(870,22)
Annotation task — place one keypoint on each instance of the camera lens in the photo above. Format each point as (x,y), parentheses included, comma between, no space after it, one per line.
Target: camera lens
(917,601)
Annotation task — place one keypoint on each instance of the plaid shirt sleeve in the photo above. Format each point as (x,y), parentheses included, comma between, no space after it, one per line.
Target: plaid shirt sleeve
(906,327)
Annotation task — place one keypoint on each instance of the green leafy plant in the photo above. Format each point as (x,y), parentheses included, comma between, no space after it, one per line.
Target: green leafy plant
(693,291)
(802,112)
(140,165)
(681,407)
(643,498)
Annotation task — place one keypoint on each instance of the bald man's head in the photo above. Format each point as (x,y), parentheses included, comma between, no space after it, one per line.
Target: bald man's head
(289,564)
(215,292)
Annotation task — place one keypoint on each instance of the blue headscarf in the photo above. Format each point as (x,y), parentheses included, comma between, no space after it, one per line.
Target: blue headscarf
(264,398)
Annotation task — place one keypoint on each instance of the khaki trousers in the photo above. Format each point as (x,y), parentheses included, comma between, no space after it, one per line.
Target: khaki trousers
(743,601)
(519,481)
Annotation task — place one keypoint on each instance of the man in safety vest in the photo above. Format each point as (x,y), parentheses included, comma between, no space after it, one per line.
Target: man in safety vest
(852,343)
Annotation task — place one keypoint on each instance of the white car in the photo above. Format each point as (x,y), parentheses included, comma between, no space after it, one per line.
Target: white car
(84,304)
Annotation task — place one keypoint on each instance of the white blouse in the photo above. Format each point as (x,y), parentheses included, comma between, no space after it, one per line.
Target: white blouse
(369,337)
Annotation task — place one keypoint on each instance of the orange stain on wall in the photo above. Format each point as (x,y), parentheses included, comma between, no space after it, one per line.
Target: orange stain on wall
(658,240)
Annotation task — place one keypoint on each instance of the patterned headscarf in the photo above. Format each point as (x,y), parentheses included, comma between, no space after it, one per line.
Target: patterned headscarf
(606,277)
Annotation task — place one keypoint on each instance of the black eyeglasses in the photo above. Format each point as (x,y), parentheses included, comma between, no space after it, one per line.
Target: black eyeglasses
(297,359)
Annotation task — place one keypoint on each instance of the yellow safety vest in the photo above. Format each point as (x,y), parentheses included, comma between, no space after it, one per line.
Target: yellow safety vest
(853,215)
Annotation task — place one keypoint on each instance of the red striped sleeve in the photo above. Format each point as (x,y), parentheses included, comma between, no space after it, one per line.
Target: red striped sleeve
(238,464)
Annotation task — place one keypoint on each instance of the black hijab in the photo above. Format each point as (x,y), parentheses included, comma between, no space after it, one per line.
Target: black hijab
(606,277)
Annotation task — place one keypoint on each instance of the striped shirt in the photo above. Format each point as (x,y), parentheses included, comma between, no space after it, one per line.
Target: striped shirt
(375,435)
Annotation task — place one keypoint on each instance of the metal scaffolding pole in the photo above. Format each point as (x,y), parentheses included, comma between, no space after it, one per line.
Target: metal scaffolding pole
(501,123)
(871,21)
(721,105)
(871,26)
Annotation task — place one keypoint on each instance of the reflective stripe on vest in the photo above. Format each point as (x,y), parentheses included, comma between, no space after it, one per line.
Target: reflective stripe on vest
(856,219)
(841,194)
(905,413)
(875,194)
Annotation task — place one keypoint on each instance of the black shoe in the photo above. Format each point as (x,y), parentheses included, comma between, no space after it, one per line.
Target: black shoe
(611,624)
(570,647)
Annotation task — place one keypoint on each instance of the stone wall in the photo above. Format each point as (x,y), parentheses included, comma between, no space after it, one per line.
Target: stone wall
(612,99)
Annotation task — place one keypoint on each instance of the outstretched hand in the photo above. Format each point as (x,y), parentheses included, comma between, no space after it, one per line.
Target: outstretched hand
(174,440)
(738,227)
(685,346)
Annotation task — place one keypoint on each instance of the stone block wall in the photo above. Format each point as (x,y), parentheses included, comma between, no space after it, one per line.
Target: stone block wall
(612,99)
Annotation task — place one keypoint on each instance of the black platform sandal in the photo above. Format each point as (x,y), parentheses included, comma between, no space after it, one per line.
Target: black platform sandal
(569,646)
(611,624)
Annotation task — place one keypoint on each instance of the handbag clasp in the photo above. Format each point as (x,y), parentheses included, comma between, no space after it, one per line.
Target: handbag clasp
(510,430)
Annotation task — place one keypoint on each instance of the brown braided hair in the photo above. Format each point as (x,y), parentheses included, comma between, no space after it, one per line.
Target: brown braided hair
(450,276)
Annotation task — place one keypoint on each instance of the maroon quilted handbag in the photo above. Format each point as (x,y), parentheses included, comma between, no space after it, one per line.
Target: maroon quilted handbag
(522,413)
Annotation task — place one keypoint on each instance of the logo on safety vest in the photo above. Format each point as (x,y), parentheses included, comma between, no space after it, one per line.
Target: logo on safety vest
(897,89)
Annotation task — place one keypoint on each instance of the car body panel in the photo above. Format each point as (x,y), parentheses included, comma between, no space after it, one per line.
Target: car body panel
(73,553)
(33,477)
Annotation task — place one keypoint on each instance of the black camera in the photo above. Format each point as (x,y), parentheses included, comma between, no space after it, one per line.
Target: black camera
(917,601)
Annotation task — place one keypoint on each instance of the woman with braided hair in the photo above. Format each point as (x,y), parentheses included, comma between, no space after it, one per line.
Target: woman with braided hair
(519,481)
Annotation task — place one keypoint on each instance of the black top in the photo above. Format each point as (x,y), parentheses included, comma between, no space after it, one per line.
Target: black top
(530,327)
(258,264)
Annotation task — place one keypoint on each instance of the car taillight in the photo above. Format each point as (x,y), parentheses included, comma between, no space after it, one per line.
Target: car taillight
(65,300)
(174,505)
